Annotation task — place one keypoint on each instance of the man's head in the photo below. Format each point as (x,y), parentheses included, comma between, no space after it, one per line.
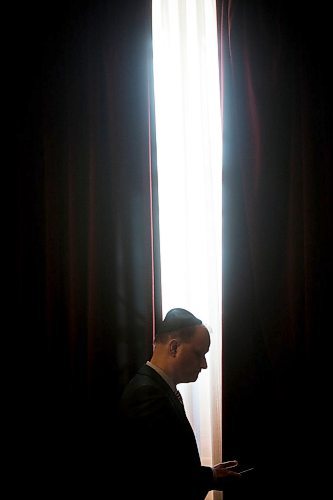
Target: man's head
(181,345)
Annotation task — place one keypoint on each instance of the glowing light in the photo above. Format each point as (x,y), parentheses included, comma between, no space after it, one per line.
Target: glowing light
(189,158)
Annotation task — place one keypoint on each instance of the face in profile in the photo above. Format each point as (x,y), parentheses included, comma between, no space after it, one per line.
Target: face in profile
(192,355)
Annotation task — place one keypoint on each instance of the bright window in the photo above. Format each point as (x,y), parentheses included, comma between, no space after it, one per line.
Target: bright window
(189,164)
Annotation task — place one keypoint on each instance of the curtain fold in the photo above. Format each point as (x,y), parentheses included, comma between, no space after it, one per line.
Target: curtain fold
(277,244)
(84,226)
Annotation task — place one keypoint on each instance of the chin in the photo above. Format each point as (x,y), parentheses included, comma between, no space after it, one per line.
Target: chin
(191,378)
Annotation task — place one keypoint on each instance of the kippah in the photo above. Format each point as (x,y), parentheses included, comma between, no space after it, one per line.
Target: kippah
(176,319)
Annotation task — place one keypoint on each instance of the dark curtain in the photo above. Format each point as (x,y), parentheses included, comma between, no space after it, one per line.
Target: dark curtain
(86,295)
(277,241)
(86,281)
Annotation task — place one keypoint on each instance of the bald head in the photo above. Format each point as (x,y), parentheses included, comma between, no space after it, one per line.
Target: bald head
(177,319)
(181,346)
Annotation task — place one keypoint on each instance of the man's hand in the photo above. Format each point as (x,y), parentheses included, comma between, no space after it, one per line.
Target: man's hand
(224,474)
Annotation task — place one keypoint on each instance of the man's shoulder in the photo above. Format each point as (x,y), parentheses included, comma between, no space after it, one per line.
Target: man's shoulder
(146,379)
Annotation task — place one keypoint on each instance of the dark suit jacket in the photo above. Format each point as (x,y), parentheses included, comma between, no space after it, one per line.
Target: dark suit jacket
(160,457)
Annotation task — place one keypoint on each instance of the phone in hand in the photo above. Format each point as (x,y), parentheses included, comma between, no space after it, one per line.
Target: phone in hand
(246,470)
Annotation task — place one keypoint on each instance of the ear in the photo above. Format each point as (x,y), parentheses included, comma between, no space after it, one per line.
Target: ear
(173,346)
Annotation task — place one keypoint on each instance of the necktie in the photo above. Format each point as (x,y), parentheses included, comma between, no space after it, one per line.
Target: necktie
(179,396)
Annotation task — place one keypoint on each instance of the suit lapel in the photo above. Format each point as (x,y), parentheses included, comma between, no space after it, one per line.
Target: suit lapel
(166,389)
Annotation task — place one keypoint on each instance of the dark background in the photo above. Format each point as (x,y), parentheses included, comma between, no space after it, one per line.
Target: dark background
(86,269)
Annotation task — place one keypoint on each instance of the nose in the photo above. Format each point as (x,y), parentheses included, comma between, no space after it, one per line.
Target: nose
(204,364)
